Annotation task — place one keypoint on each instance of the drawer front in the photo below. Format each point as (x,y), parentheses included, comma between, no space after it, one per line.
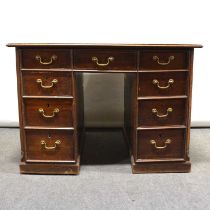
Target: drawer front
(105,59)
(40,83)
(161,112)
(46,58)
(163,84)
(50,146)
(48,112)
(160,145)
(163,59)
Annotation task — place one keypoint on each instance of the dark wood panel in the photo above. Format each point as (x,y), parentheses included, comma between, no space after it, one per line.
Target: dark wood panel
(63,118)
(175,109)
(20,107)
(46,58)
(161,145)
(189,104)
(121,59)
(163,84)
(63,151)
(54,168)
(163,59)
(130,110)
(160,167)
(39,83)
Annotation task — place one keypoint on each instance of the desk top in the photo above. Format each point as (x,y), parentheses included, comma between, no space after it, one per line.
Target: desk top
(75,45)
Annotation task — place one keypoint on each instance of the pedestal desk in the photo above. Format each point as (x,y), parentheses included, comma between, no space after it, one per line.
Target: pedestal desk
(158,89)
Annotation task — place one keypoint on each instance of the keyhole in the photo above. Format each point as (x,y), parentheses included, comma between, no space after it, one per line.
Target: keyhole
(49,135)
(160,136)
(48,105)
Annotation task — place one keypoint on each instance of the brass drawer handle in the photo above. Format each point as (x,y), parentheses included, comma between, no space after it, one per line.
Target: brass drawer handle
(167,141)
(43,143)
(95,59)
(53,57)
(53,82)
(41,110)
(154,110)
(156,82)
(170,58)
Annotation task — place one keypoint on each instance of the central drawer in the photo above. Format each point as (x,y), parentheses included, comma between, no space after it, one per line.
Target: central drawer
(105,59)
(161,112)
(50,146)
(48,112)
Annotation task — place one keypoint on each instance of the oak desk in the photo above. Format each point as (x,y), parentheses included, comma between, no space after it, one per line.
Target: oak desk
(158,85)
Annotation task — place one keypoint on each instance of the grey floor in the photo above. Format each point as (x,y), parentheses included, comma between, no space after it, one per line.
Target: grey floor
(105,181)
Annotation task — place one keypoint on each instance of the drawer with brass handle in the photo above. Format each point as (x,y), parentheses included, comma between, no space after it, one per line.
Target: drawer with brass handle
(105,59)
(160,145)
(161,112)
(163,84)
(46,58)
(163,59)
(42,83)
(50,145)
(48,112)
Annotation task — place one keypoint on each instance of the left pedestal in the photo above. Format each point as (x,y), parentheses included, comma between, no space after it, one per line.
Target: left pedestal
(50,123)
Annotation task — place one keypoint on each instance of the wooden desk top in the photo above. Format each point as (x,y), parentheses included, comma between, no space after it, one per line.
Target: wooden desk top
(74,45)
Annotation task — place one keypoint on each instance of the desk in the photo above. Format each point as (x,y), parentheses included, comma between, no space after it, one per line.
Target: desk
(158,89)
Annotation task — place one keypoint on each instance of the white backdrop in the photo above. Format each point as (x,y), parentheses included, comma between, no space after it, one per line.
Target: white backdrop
(109,21)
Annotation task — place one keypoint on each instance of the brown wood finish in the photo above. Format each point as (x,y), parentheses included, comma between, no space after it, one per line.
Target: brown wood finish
(189,105)
(29,60)
(79,110)
(123,59)
(46,168)
(64,152)
(141,96)
(31,87)
(160,167)
(100,45)
(148,88)
(64,118)
(147,118)
(147,152)
(20,107)
(147,61)
(130,122)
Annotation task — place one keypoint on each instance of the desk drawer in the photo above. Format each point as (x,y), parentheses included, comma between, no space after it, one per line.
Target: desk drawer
(163,59)
(50,146)
(48,112)
(160,145)
(41,83)
(163,84)
(46,58)
(161,112)
(105,59)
